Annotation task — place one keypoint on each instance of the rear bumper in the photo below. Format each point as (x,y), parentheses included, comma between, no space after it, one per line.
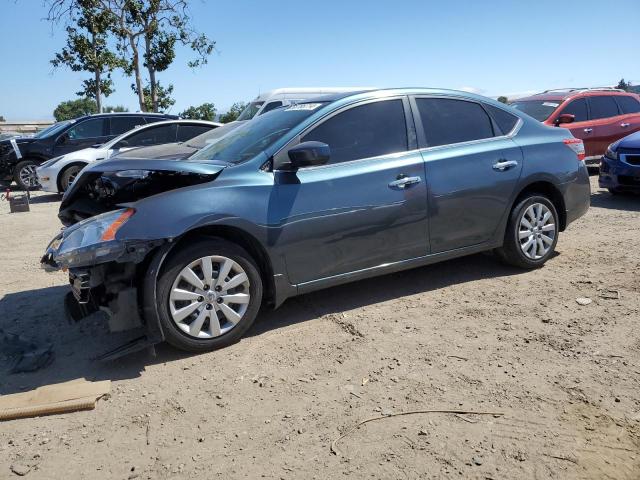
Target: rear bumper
(577,195)
(618,175)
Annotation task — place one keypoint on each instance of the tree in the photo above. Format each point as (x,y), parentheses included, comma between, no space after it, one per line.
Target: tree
(2,119)
(147,32)
(503,99)
(115,108)
(87,48)
(623,85)
(206,111)
(233,113)
(164,101)
(75,108)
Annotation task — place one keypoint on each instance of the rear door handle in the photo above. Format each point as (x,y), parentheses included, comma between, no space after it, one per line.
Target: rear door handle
(623,125)
(505,165)
(588,130)
(404,182)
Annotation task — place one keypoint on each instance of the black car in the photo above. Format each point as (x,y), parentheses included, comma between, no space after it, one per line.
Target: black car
(19,157)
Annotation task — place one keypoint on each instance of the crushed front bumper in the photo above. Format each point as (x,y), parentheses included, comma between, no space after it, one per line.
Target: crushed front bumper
(124,289)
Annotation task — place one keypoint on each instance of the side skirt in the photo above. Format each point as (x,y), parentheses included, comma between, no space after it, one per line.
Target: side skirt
(391,268)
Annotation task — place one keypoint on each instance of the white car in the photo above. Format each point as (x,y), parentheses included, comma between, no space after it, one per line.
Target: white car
(57,174)
(267,101)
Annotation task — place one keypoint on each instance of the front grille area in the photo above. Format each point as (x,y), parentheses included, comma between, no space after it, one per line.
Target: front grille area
(628,180)
(632,159)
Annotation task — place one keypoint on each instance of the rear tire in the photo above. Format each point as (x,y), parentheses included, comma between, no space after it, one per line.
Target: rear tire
(219,315)
(68,175)
(25,175)
(532,233)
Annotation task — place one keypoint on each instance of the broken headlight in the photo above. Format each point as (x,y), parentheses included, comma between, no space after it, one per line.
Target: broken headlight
(88,242)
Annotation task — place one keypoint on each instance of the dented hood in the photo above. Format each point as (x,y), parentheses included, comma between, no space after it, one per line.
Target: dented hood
(103,186)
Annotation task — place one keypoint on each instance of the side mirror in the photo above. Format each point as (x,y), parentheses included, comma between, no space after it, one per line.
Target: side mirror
(309,154)
(564,118)
(62,139)
(122,144)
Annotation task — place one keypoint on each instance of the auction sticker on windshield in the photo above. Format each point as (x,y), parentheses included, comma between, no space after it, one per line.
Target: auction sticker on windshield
(303,106)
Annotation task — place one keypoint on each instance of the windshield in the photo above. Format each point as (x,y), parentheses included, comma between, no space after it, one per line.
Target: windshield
(538,109)
(53,129)
(251,138)
(250,111)
(212,135)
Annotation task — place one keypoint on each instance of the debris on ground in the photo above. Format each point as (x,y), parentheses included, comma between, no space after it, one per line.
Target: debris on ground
(27,355)
(51,399)
(583,301)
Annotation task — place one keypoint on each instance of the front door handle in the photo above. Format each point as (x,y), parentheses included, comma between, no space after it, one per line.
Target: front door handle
(505,165)
(403,182)
(588,130)
(624,125)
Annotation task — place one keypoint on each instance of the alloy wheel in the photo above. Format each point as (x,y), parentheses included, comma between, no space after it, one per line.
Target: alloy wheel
(28,176)
(537,231)
(209,297)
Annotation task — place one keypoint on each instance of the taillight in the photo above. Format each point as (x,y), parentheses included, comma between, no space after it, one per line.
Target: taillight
(576,145)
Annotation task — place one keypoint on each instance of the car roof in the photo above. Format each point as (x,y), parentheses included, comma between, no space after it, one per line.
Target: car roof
(387,92)
(309,91)
(565,93)
(126,114)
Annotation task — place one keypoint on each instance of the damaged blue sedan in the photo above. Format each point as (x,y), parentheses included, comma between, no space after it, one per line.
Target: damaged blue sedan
(310,196)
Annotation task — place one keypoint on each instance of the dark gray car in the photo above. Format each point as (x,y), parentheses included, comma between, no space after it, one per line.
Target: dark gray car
(310,196)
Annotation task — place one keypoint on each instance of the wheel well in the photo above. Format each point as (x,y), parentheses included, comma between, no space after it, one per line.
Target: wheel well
(548,190)
(67,167)
(244,240)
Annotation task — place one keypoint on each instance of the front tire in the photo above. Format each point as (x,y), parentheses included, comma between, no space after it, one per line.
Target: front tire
(68,175)
(209,295)
(532,233)
(25,174)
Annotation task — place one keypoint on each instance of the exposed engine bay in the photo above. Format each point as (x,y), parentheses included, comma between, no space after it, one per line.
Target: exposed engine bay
(97,192)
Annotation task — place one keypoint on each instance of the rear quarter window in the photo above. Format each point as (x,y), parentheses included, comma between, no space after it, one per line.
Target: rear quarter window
(505,120)
(628,104)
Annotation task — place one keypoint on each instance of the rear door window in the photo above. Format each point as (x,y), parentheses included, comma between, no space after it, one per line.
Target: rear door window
(364,131)
(187,132)
(448,121)
(577,108)
(91,128)
(603,107)
(628,104)
(152,136)
(123,124)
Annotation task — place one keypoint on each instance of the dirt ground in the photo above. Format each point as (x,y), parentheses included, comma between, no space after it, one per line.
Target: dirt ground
(469,335)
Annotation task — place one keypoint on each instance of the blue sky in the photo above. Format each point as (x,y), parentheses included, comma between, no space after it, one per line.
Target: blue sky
(492,47)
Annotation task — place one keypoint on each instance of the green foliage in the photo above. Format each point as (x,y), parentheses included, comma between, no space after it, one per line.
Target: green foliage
(75,108)
(87,48)
(115,108)
(164,99)
(206,111)
(233,113)
(503,99)
(623,85)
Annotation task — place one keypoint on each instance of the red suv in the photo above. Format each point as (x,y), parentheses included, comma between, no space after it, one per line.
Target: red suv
(598,116)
